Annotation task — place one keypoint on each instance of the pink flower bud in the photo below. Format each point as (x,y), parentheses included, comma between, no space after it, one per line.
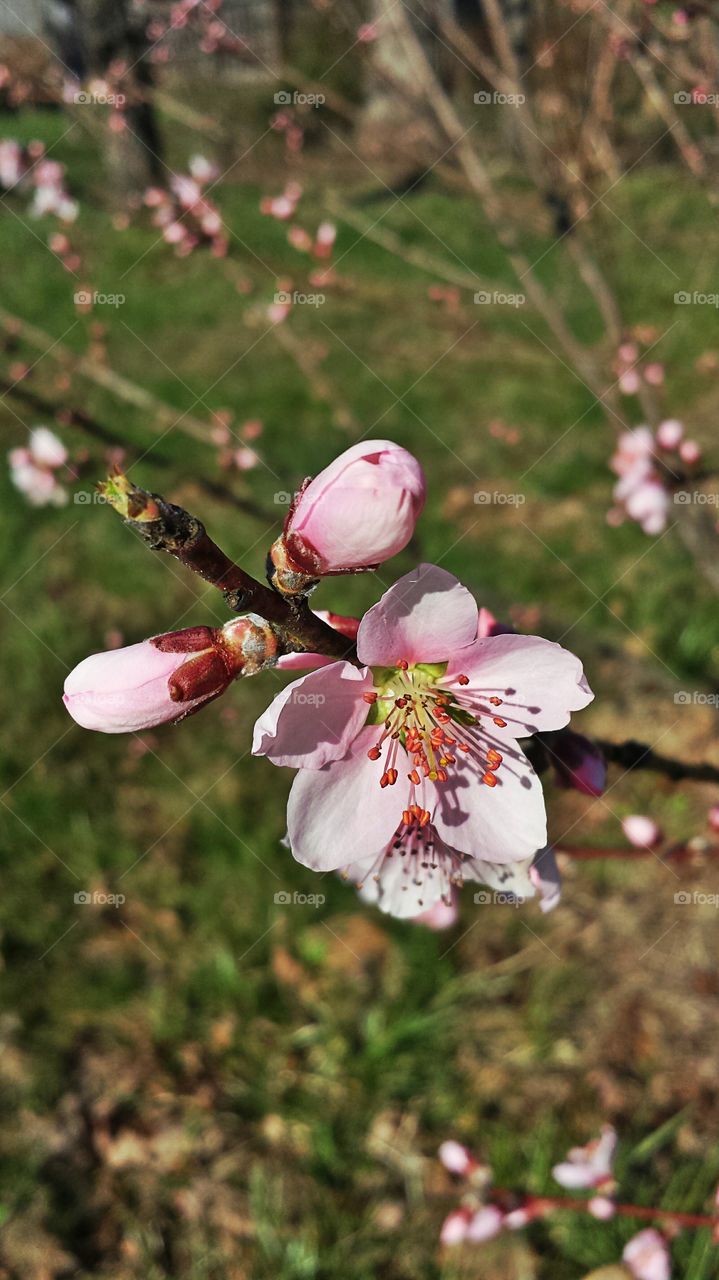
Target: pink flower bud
(713,820)
(486,1223)
(358,512)
(669,433)
(690,452)
(164,678)
(578,763)
(454,1227)
(456,1158)
(602,1208)
(641,831)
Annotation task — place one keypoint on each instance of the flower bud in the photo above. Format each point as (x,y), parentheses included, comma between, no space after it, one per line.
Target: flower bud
(359,511)
(167,677)
(641,831)
(578,763)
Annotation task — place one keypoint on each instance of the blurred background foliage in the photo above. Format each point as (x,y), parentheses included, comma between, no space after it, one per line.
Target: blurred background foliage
(203,1083)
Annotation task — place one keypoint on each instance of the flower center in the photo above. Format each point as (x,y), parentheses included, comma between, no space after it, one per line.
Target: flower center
(426,720)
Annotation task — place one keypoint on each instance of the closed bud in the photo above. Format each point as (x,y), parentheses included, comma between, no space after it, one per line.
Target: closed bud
(578,763)
(355,514)
(167,677)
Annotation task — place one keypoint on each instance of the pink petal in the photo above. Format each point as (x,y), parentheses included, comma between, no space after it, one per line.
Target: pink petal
(486,1223)
(424,617)
(339,814)
(647,1256)
(539,682)
(573,1176)
(503,823)
(315,719)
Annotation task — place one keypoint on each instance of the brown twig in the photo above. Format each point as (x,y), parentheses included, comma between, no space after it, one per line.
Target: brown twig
(166,527)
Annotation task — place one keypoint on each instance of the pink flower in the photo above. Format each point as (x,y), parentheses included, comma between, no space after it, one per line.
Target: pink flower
(589,1166)
(437,711)
(654,373)
(46,449)
(32,470)
(639,490)
(325,239)
(578,763)
(202,169)
(641,831)
(162,679)
(713,817)
(358,512)
(647,1256)
(669,433)
(629,382)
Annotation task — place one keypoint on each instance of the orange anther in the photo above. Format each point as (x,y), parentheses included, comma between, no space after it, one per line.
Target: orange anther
(414,777)
(374,753)
(500,723)
(370,697)
(496,702)
(403,664)
(462,679)
(490,779)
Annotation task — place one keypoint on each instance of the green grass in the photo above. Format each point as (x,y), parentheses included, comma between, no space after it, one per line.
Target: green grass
(202,1083)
